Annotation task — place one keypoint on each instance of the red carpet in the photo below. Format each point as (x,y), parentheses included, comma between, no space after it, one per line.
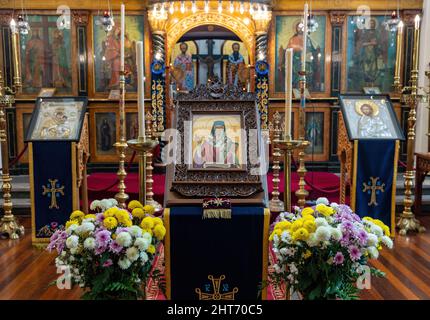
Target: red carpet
(319,184)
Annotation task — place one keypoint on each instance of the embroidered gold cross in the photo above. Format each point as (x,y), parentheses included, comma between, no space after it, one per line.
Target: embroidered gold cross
(53,190)
(373,187)
(216,295)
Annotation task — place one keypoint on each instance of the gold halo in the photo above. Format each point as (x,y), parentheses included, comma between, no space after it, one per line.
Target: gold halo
(372,104)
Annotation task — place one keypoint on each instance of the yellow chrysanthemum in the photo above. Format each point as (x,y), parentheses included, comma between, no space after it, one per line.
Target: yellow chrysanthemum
(77,214)
(307,254)
(110,212)
(110,222)
(133,204)
(296,225)
(90,216)
(308,217)
(159,231)
(307,211)
(300,234)
(151,249)
(386,231)
(157,221)
(368,219)
(310,225)
(283,225)
(149,231)
(324,210)
(148,209)
(70,222)
(278,232)
(147,223)
(138,213)
(122,216)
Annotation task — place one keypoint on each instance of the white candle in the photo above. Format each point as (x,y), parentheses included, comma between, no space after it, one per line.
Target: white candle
(305,36)
(288,90)
(122,35)
(140,87)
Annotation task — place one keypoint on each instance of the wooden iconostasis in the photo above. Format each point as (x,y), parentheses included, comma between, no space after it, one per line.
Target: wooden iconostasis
(83,61)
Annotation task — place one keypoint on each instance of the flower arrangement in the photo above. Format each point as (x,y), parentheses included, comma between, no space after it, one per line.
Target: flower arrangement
(322,252)
(110,253)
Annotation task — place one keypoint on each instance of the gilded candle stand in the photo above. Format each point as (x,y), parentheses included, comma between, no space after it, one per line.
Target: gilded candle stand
(276,204)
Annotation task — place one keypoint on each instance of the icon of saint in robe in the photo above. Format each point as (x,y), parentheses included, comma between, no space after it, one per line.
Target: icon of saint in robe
(217,150)
(60,64)
(235,67)
(370,124)
(34,60)
(111,55)
(106,136)
(184,69)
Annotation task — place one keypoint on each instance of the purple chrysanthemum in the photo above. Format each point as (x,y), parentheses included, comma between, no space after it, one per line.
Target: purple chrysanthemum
(362,237)
(103,237)
(100,249)
(115,247)
(354,253)
(338,258)
(100,218)
(107,263)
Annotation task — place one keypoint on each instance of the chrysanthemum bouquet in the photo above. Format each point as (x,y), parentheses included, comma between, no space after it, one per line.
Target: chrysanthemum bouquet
(323,252)
(109,253)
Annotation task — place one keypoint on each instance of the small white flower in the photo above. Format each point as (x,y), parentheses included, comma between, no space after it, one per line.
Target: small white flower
(335,206)
(286,236)
(135,231)
(322,200)
(85,227)
(293,269)
(94,205)
(124,239)
(373,252)
(144,257)
(74,250)
(377,230)
(72,242)
(58,262)
(142,243)
(321,222)
(312,241)
(387,241)
(278,269)
(124,263)
(71,259)
(132,254)
(290,278)
(105,204)
(336,234)
(147,235)
(323,233)
(276,239)
(283,251)
(90,243)
(372,240)
(71,229)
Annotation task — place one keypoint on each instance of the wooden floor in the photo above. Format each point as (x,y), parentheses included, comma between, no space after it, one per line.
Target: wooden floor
(25,272)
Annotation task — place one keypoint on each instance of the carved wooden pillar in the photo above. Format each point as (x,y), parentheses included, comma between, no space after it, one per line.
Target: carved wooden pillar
(80,19)
(337,20)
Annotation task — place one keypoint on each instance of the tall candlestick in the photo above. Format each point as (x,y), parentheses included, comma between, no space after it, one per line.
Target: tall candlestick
(305,36)
(397,84)
(122,35)
(140,88)
(416,42)
(288,90)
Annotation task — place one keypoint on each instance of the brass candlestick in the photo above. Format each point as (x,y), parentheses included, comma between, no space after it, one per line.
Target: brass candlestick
(121,146)
(287,145)
(302,193)
(275,204)
(149,168)
(407,221)
(142,146)
(8,224)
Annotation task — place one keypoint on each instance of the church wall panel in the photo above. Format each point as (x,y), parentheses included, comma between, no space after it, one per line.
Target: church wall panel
(23,116)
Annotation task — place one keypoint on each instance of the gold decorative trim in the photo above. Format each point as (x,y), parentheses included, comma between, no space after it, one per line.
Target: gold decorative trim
(245,32)
(354,176)
(34,240)
(265,251)
(393,194)
(166,218)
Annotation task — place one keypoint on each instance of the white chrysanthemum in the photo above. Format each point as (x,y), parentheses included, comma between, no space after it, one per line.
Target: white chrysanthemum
(336,233)
(135,231)
(321,222)
(74,250)
(322,200)
(372,240)
(63,253)
(71,229)
(124,263)
(105,204)
(312,241)
(124,239)
(90,243)
(335,206)
(132,254)
(373,252)
(323,233)
(72,242)
(377,230)
(94,205)
(144,257)
(71,259)
(290,278)
(282,215)
(59,262)
(275,240)
(147,235)
(293,269)
(88,220)
(387,241)
(286,236)
(113,202)
(283,251)
(278,269)
(85,227)
(142,243)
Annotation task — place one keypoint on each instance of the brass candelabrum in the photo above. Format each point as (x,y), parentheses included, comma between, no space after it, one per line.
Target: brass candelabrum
(8,224)
(287,145)
(276,204)
(121,146)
